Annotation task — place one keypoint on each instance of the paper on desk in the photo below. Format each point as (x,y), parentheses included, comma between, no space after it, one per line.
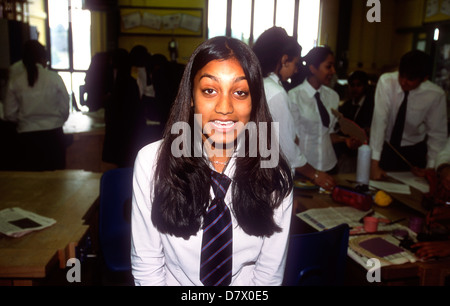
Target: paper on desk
(16,222)
(410,179)
(391,187)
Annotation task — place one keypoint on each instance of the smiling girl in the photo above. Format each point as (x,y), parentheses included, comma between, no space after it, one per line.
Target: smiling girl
(221,91)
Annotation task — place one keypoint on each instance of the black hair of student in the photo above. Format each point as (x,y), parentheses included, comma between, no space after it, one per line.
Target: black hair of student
(315,57)
(272,45)
(415,64)
(33,53)
(359,75)
(182,184)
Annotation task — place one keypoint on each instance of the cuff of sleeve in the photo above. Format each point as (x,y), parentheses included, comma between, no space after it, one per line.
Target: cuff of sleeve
(376,155)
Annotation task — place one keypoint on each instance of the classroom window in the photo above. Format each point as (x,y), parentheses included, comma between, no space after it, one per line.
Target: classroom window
(249,18)
(70,23)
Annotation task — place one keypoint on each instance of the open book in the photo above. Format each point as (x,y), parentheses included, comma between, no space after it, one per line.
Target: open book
(16,222)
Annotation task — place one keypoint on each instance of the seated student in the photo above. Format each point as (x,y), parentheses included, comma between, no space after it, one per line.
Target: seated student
(201,168)
(439,215)
(358,108)
(421,128)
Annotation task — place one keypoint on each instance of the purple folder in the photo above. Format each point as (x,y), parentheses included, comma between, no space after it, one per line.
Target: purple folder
(380,247)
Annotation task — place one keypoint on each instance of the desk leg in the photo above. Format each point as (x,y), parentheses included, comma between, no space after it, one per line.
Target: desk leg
(433,277)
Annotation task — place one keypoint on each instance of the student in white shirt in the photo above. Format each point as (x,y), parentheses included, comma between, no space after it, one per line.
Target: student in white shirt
(279,55)
(315,137)
(37,101)
(425,127)
(172,188)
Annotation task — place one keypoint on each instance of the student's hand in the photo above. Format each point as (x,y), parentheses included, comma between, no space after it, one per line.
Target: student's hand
(438,214)
(444,177)
(430,249)
(324,180)
(353,143)
(421,172)
(376,173)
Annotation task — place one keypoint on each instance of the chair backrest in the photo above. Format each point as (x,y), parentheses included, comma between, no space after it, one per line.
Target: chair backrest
(114,218)
(317,258)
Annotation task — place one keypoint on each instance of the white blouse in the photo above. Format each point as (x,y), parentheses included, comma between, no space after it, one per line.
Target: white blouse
(162,259)
(315,140)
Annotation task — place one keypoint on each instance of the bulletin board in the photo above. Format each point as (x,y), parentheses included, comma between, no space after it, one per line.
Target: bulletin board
(161,21)
(437,10)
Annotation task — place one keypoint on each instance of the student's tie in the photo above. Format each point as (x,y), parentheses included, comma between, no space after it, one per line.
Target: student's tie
(323,111)
(216,254)
(397,131)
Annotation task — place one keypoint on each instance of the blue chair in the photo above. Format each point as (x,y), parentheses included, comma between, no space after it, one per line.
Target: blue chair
(317,259)
(114,218)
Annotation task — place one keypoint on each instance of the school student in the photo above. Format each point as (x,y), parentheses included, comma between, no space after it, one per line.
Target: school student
(315,100)
(204,209)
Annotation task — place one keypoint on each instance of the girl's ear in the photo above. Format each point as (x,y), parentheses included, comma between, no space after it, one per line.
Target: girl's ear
(312,69)
(192,102)
(284,59)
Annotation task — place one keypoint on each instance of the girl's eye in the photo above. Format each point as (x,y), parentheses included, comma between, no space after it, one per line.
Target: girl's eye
(241,93)
(209,91)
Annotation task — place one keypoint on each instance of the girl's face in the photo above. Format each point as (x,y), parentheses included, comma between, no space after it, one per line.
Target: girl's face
(222,97)
(325,72)
(289,68)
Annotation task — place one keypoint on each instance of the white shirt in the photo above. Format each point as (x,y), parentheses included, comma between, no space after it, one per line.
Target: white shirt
(161,259)
(45,106)
(278,102)
(315,140)
(426,115)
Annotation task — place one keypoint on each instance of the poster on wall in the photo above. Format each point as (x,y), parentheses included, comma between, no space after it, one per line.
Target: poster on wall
(161,21)
(437,10)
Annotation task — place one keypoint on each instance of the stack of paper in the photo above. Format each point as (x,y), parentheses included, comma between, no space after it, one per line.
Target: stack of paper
(16,222)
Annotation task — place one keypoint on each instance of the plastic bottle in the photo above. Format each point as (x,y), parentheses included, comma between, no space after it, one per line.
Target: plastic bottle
(363,164)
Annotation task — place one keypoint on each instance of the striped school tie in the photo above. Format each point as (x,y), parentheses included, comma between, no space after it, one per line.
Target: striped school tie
(216,255)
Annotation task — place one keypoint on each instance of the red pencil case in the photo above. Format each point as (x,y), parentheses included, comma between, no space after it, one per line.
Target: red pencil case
(352,197)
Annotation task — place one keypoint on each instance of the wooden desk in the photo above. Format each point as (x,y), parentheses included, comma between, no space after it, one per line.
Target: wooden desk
(429,273)
(66,196)
(88,133)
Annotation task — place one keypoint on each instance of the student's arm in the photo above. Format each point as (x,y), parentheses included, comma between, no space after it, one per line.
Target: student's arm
(436,124)
(378,127)
(147,256)
(269,269)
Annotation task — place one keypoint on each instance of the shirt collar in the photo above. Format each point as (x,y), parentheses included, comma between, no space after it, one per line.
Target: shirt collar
(311,91)
(275,78)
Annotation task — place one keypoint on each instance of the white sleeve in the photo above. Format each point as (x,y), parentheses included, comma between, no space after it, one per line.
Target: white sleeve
(269,269)
(279,109)
(379,119)
(436,123)
(147,256)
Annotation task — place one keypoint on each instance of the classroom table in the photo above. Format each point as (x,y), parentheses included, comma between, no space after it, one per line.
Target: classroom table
(69,197)
(430,273)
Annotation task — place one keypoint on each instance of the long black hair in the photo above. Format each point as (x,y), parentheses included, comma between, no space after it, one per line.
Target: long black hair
(272,45)
(182,184)
(33,53)
(315,57)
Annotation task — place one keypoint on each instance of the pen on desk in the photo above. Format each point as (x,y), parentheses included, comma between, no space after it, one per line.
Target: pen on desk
(396,221)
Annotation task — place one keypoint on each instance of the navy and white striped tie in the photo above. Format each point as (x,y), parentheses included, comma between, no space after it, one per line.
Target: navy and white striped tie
(217,243)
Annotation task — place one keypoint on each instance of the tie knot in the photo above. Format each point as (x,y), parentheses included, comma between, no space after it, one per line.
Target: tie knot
(317,95)
(220,184)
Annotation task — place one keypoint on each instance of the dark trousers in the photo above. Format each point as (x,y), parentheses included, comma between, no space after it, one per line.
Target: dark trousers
(415,154)
(42,150)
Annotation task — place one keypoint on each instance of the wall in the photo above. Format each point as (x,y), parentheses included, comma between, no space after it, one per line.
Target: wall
(159,44)
(377,47)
